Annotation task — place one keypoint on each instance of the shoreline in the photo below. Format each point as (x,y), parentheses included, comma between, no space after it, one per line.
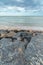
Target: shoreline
(27,28)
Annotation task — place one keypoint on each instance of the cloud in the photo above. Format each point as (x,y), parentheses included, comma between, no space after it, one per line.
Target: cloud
(20,0)
(11,10)
(21,7)
(14,10)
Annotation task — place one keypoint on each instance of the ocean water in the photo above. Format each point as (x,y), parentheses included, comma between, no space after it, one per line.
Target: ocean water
(21,20)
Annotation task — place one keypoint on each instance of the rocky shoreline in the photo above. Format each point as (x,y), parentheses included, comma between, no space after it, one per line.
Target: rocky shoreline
(21,47)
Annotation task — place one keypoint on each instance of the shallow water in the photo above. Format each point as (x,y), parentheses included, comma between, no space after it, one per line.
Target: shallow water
(21,20)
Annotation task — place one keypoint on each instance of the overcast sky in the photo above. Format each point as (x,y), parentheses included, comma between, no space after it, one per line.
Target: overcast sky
(21,7)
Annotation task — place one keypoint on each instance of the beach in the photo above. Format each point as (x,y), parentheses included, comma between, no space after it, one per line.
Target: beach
(21,40)
(21,45)
(20,27)
(21,32)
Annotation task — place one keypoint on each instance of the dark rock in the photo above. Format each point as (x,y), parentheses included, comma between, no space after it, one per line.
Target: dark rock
(15,31)
(13,39)
(23,35)
(3,31)
(7,31)
(28,38)
(0,38)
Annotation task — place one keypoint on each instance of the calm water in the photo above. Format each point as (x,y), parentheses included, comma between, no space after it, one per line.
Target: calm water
(21,20)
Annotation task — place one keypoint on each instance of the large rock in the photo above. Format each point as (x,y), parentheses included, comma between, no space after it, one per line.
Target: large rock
(10,34)
(22,49)
(12,52)
(2,31)
(34,51)
(23,35)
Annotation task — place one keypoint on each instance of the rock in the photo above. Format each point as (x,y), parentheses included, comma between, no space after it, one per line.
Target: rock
(10,34)
(21,48)
(34,34)
(14,39)
(7,34)
(15,31)
(3,35)
(7,31)
(34,51)
(5,41)
(23,35)
(3,31)
(12,52)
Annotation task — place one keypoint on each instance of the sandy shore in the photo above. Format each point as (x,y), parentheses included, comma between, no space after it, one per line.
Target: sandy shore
(32,28)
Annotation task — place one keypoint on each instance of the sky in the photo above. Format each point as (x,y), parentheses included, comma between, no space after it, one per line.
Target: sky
(21,7)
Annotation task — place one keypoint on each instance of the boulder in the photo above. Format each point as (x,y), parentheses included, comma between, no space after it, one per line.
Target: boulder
(22,48)
(12,52)
(10,34)
(34,51)
(23,35)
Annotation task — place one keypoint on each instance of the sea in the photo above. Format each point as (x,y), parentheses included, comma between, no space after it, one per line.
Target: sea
(36,21)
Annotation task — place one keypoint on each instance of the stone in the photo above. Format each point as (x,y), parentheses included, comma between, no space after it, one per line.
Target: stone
(2,31)
(5,41)
(34,51)
(23,35)
(3,35)
(12,52)
(10,34)
(22,48)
